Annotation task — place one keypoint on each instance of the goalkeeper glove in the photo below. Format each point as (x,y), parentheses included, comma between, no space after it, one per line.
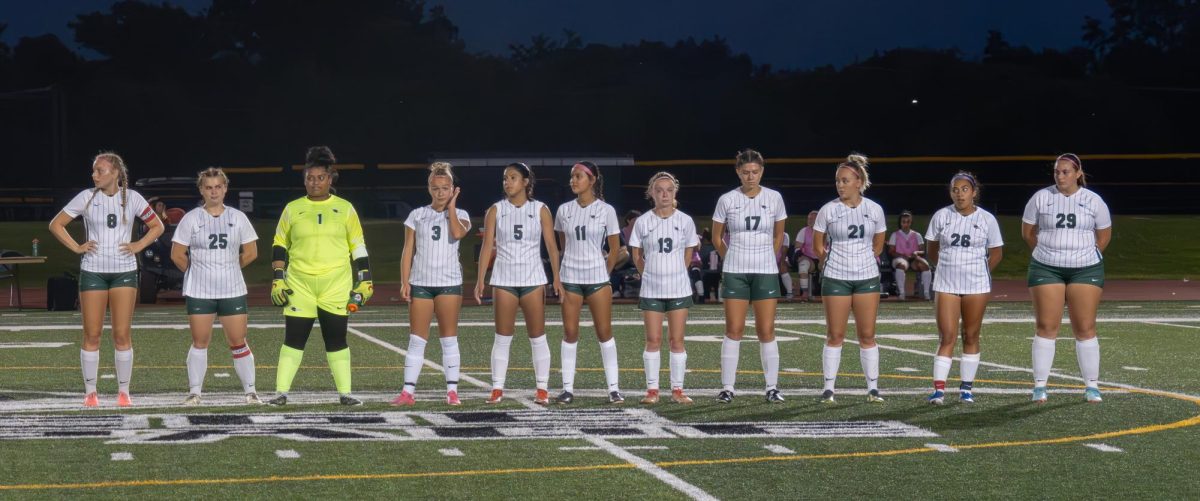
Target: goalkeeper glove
(365,287)
(279,288)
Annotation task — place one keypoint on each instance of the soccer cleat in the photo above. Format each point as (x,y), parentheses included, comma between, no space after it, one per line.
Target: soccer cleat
(349,400)
(123,400)
(91,400)
(873,397)
(966,393)
(650,398)
(192,399)
(1039,394)
(773,397)
(725,397)
(564,398)
(938,397)
(252,399)
(279,400)
(405,398)
(615,397)
(1092,395)
(541,397)
(827,397)
(452,398)
(496,397)
(679,397)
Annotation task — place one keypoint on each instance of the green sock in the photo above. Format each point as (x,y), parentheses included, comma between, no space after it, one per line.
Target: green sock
(289,363)
(339,365)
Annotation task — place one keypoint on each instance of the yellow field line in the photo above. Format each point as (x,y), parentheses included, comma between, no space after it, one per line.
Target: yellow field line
(310,478)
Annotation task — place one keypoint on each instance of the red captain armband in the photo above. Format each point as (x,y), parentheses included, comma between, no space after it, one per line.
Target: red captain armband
(146,214)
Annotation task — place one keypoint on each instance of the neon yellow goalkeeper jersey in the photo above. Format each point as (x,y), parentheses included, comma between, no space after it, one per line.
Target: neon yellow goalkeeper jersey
(320,237)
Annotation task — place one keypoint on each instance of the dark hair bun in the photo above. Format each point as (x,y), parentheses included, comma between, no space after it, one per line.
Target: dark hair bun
(319,155)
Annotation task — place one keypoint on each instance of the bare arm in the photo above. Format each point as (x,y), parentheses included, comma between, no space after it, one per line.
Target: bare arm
(179,256)
(995,254)
(718,234)
(406,257)
(154,230)
(1103,237)
(932,256)
(485,252)
(877,244)
(458,229)
(1029,234)
(58,228)
(781,253)
(819,244)
(639,260)
(551,248)
(614,252)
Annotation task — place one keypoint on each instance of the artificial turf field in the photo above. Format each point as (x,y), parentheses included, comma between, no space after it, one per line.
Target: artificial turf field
(1141,442)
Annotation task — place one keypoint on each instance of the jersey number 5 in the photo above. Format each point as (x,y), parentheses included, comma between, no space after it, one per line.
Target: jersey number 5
(517,231)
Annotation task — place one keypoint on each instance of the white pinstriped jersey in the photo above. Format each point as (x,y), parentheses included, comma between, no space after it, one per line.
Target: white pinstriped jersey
(518,245)
(663,242)
(584,232)
(963,244)
(1066,226)
(214,258)
(435,251)
(849,237)
(109,225)
(751,224)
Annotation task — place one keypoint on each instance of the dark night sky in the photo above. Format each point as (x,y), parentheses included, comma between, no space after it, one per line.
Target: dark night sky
(785,34)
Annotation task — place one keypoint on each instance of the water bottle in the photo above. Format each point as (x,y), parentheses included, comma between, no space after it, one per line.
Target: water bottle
(35,247)
(356,302)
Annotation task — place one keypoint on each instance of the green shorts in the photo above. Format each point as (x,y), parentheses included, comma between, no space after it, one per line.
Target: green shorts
(584,290)
(93,281)
(1043,274)
(750,286)
(518,290)
(430,292)
(664,305)
(835,287)
(222,307)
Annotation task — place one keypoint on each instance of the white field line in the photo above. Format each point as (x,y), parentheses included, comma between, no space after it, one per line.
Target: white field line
(287,454)
(1171,325)
(121,456)
(641,464)
(1002,366)
(941,447)
(558,323)
(1104,448)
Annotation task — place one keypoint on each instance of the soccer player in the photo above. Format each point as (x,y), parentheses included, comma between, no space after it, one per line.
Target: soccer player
(904,245)
(806,257)
(755,217)
(212,244)
(431,280)
(317,237)
(965,245)
(663,241)
(848,236)
(1068,227)
(108,275)
(584,225)
(511,230)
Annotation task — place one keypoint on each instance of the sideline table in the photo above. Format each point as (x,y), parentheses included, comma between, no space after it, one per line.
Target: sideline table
(16,262)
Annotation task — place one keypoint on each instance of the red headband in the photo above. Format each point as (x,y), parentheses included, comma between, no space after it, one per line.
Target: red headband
(585,169)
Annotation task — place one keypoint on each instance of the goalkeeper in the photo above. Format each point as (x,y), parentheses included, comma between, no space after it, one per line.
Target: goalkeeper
(317,239)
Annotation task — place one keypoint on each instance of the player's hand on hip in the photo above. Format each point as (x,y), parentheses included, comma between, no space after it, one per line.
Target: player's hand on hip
(129,248)
(89,246)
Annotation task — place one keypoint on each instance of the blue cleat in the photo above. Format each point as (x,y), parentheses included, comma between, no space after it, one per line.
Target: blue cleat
(1092,395)
(938,397)
(1039,394)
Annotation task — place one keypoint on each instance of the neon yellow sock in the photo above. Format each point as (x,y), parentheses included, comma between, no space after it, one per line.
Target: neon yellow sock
(289,363)
(339,365)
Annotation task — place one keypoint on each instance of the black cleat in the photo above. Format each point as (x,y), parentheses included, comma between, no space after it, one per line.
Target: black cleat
(615,397)
(827,397)
(873,397)
(349,400)
(565,398)
(725,397)
(773,397)
(279,401)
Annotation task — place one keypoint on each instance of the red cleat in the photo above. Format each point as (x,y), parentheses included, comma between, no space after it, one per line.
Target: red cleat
(91,400)
(452,398)
(497,396)
(405,398)
(123,400)
(541,397)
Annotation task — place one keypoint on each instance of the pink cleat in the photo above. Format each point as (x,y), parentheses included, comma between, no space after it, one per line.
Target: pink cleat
(452,398)
(91,400)
(123,400)
(405,398)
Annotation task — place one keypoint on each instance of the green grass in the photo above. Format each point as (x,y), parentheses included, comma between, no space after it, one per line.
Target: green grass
(1143,247)
(1155,464)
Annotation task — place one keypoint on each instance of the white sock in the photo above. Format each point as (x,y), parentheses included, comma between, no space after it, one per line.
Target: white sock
(730,351)
(413,362)
(124,362)
(899,274)
(869,357)
(699,287)
(568,354)
(941,370)
(541,361)
(769,354)
(197,365)
(1088,354)
(786,278)
(612,370)
(1043,360)
(968,367)
(803,282)
(678,369)
(500,347)
(90,362)
(451,360)
(926,283)
(831,360)
(651,362)
(243,365)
